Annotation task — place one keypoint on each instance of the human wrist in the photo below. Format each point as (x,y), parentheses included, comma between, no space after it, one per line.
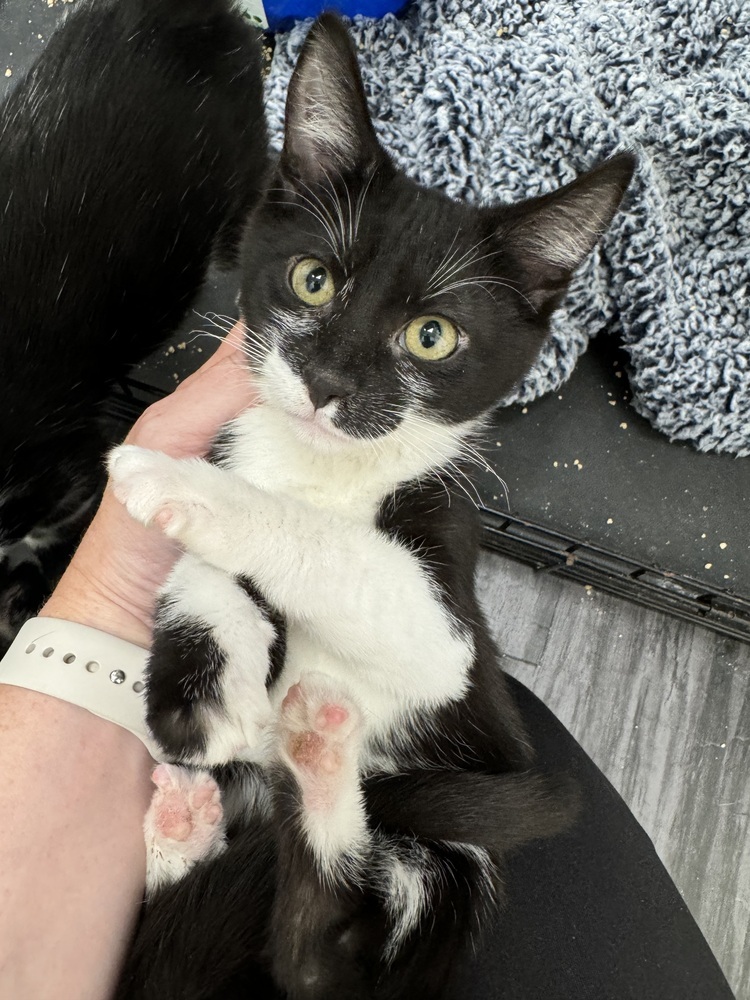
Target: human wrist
(113,578)
(78,599)
(54,725)
(84,666)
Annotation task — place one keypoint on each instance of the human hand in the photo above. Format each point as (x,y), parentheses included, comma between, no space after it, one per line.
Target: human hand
(112,580)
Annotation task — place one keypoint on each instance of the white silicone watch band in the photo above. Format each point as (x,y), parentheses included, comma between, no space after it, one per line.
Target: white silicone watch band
(83,666)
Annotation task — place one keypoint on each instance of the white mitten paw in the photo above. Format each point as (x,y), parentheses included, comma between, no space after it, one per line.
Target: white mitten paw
(156,490)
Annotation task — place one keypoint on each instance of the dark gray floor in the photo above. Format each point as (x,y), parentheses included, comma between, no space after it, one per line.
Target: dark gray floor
(663,708)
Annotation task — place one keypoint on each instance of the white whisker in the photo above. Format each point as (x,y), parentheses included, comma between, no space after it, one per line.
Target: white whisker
(465,260)
(480,281)
(447,257)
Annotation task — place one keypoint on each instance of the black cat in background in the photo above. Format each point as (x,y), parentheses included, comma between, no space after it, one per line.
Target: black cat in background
(129,155)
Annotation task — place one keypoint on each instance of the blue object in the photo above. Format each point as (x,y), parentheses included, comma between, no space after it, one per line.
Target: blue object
(281,13)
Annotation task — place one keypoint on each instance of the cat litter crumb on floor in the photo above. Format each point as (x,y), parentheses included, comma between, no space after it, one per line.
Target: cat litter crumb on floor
(623,426)
(612,402)
(182,346)
(722,545)
(708,566)
(610,521)
(169,350)
(9,72)
(525,410)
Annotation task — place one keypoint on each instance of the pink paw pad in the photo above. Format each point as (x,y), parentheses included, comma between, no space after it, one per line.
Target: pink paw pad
(186,803)
(331,716)
(164,517)
(306,748)
(320,735)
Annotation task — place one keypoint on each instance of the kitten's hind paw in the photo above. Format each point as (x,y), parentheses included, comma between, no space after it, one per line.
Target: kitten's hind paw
(184,824)
(320,740)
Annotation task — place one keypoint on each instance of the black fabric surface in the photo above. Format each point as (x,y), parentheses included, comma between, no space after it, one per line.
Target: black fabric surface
(592,914)
(581,462)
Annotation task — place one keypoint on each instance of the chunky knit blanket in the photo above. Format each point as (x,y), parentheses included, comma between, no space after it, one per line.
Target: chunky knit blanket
(495,100)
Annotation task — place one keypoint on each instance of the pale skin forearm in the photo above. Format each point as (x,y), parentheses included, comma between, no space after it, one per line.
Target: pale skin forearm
(74,788)
(72,859)
(72,856)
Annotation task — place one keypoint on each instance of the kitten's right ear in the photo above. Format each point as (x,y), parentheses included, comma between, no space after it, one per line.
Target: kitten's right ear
(328,127)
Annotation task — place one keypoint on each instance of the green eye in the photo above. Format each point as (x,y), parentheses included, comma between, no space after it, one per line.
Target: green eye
(312,282)
(430,338)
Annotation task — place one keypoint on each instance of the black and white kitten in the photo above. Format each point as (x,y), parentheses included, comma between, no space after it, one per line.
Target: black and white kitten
(134,146)
(320,644)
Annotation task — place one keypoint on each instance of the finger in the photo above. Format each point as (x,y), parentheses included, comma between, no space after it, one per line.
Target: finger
(186,422)
(231,344)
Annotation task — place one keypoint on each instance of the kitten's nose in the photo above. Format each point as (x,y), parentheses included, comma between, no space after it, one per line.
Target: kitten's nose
(324,387)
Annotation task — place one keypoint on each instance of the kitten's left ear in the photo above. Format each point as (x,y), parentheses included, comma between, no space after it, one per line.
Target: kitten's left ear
(328,127)
(548,238)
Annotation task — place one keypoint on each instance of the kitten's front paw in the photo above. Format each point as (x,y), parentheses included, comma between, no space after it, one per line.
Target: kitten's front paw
(154,488)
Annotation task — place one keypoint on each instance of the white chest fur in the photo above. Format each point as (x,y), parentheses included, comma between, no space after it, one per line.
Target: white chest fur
(300,522)
(376,623)
(267,453)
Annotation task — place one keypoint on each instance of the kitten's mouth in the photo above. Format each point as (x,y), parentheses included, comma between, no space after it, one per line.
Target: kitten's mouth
(318,429)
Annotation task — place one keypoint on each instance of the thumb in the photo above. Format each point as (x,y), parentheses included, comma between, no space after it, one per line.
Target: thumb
(185,423)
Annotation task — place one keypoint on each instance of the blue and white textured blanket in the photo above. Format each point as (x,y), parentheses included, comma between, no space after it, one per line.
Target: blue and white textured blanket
(495,100)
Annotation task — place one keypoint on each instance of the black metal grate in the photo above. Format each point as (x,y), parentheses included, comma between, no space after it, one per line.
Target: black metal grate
(550,552)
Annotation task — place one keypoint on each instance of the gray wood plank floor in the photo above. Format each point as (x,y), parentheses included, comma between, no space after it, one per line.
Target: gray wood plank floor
(663,708)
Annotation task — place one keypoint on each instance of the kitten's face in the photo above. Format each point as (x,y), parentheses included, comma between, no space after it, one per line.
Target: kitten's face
(383,299)
(369,300)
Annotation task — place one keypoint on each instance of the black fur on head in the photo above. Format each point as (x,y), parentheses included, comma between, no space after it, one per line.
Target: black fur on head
(394,252)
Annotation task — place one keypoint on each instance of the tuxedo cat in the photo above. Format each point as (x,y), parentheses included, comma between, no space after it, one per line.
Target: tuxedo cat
(320,645)
(129,154)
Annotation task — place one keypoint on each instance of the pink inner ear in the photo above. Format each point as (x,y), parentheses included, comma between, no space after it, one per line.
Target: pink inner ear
(328,127)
